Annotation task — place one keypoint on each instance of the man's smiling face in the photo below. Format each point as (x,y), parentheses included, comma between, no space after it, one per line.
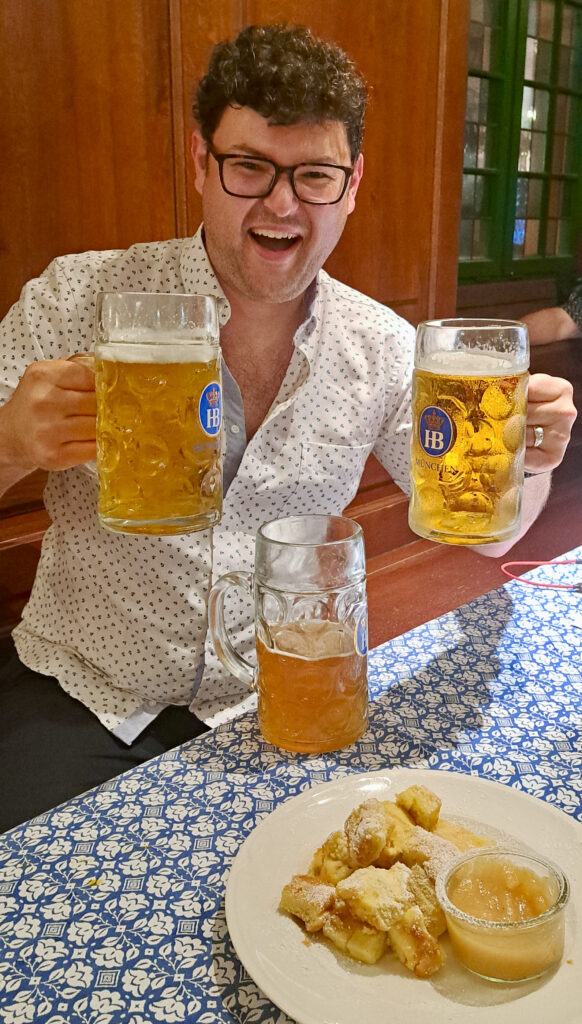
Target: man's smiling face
(270,249)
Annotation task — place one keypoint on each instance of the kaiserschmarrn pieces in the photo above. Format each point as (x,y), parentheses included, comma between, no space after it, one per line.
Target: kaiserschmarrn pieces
(366,830)
(330,861)
(413,944)
(425,898)
(461,837)
(399,830)
(429,850)
(353,937)
(421,805)
(309,899)
(376,896)
(371,886)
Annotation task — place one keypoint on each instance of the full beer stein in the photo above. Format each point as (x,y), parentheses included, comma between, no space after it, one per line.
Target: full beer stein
(469,399)
(158,387)
(311,632)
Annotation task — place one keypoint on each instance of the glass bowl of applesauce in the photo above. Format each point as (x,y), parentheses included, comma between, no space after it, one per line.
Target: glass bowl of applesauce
(505,913)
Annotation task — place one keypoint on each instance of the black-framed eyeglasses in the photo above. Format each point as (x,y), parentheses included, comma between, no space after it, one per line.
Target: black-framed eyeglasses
(254,177)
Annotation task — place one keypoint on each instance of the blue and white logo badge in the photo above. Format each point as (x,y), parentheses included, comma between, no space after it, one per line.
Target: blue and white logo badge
(361,633)
(210,409)
(436,431)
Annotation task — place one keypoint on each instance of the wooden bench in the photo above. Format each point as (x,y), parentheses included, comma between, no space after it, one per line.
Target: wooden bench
(23,522)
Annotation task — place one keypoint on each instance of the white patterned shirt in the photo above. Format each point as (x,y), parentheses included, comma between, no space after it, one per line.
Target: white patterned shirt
(121,620)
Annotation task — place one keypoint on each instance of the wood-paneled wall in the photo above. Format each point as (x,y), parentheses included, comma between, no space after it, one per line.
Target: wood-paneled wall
(86,128)
(96,119)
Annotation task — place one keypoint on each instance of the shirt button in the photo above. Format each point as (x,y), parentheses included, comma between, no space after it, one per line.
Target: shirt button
(235,429)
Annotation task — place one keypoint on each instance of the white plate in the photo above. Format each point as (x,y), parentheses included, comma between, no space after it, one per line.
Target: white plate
(314,984)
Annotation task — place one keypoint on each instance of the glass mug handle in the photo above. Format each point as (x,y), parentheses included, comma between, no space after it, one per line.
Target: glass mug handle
(236,665)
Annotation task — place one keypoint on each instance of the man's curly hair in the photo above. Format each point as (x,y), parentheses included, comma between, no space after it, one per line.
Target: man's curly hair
(286,75)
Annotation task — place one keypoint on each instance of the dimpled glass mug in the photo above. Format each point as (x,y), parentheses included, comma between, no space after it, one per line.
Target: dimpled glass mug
(311,632)
(158,387)
(469,399)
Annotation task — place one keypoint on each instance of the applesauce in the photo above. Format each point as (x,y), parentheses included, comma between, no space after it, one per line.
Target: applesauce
(505,913)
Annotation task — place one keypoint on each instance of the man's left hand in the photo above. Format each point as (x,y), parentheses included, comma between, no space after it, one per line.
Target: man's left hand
(549,406)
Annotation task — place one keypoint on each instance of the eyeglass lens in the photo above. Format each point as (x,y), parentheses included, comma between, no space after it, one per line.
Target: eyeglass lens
(313,183)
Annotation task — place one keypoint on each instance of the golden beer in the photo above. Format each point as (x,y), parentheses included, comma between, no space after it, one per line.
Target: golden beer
(158,436)
(313,689)
(468,445)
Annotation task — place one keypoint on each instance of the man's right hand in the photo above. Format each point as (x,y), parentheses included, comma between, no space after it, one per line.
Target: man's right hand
(49,423)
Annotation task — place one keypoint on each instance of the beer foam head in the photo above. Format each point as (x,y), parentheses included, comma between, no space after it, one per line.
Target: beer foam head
(142,346)
(477,363)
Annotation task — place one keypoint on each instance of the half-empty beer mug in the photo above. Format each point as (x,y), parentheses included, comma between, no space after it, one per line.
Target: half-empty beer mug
(469,401)
(159,405)
(311,631)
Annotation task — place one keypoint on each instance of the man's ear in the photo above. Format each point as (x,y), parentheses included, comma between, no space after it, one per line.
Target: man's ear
(355,182)
(200,157)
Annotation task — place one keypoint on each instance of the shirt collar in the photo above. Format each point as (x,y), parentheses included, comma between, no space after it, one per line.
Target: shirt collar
(198,274)
(199,277)
(306,335)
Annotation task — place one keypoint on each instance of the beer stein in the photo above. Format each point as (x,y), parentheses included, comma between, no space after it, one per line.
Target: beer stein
(469,399)
(158,387)
(311,632)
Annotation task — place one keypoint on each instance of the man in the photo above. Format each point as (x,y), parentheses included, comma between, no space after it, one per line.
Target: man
(112,649)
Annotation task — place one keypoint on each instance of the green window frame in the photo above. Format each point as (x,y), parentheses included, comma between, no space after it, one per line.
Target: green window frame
(521,209)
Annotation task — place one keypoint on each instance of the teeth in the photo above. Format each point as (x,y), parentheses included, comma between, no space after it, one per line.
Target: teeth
(273,234)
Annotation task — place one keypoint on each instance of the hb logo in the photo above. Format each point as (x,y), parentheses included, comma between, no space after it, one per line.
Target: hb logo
(210,409)
(436,431)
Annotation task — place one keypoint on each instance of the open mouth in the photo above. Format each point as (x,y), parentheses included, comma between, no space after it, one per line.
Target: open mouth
(275,241)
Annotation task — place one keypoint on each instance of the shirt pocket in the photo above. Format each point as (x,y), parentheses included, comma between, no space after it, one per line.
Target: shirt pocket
(329,475)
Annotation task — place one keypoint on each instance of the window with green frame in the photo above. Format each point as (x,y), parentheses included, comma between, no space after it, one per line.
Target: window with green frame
(521,207)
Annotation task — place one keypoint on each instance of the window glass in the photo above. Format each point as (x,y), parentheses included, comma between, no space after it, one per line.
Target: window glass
(473,99)
(480,237)
(522,180)
(555,198)
(540,20)
(481,196)
(562,113)
(518,237)
(523,165)
(483,145)
(563,245)
(538,152)
(531,54)
(465,238)
(524,161)
(484,29)
(532,232)
(573,159)
(468,196)
(521,198)
(559,151)
(470,150)
(476,45)
(551,236)
(534,197)
(570,62)
(543,61)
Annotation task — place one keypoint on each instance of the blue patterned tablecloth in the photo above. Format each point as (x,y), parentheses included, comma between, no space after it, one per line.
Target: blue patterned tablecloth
(112,905)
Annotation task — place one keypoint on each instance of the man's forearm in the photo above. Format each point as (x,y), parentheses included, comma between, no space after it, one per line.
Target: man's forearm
(10,476)
(11,467)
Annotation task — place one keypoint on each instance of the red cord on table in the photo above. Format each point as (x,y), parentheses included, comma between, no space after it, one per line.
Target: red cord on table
(535,583)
